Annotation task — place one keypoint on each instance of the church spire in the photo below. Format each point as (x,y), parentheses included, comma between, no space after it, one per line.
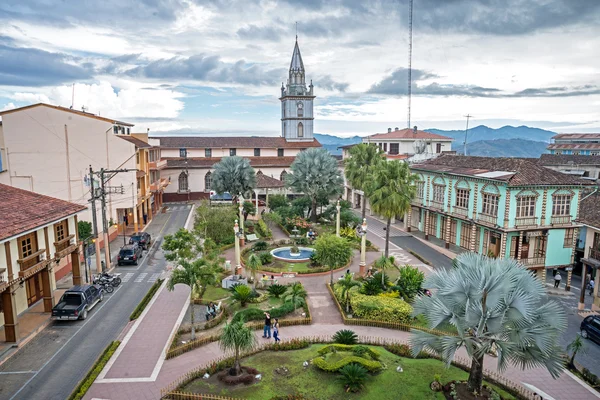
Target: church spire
(296,65)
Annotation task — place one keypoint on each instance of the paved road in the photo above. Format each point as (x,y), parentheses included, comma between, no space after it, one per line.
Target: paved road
(51,365)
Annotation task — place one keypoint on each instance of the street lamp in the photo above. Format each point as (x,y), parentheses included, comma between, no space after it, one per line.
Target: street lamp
(337,219)
(238,233)
(362,233)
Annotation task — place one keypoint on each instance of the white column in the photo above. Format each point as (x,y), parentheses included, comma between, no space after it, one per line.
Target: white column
(238,262)
(363,248)
(337,219)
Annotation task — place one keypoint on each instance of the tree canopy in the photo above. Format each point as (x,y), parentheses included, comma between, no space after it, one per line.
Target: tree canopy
(361,165)
(234,175)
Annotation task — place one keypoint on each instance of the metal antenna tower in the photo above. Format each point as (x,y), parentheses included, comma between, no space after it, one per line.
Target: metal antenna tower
(466,131)
(410,28)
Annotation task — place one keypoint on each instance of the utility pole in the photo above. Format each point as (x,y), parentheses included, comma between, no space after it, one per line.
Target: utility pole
(95,221)
(466,131)
(410,29)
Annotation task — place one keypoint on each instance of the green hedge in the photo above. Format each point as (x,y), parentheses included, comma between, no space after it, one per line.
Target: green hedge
(386,309)
(140,307)
(348,347)
(256,314)
(93,373)
(370,365)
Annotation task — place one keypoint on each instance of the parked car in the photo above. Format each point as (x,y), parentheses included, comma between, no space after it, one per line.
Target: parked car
(76,302)
(590,328)
(129,254)
(143,239)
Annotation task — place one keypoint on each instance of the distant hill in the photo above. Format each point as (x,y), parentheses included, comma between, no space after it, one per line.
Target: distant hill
(503,148)
(483,132)
(331,143)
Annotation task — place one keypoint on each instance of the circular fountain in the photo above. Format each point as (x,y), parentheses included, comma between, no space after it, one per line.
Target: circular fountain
(286,254)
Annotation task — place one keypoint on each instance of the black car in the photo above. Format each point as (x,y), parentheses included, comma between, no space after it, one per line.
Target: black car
(129,254)
(76,302)
(590,328)
(143,239)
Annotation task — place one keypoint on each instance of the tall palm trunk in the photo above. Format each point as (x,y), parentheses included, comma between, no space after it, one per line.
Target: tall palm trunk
(314,210)
(476,375)
(192,316)
(364,207)
(237,367)
(387,237)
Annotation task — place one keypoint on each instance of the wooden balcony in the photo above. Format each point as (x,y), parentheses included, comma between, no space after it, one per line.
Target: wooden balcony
(526,222)
(157,165)
(437,205)
(31,260)
(533,261)
(594,253)
(64,243)
(464,212)
(561,220)
(487,219)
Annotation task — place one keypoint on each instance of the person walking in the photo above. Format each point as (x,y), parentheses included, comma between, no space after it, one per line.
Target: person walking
(276,331)
(557,279)
(591,286)
(267,327)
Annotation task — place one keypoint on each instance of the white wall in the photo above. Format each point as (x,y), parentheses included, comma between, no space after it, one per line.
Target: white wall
(407,146)
(242,152)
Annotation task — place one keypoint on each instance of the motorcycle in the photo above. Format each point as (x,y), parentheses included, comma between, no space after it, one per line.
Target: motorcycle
(114,279)
(105,282)
(104,285)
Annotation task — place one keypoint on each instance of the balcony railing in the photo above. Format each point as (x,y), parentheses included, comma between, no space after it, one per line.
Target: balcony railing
(561,219)
(417,201)
(437,204)
(156,165)
(64,243)
(526,221)
(460,211)
(31,260)
(488,219)
(533,261)
(594,253)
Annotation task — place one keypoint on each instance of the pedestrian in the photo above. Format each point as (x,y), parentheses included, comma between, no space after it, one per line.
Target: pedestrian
(126,220)
(557,279)
(267,328)
(591,286)
(276,331)
(145,218)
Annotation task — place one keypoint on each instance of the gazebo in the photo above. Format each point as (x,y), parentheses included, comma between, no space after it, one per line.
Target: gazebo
(265,185)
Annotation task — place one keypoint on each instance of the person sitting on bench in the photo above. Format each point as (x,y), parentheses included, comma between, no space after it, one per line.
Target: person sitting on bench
(211,311)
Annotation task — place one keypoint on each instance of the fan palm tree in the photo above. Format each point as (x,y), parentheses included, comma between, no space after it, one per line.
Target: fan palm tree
(359,167)
(233,175)
(347,283)
(253,264)
(494,304)
(296,294)
(390,192)
(238,338)
(315,173)
(383,263)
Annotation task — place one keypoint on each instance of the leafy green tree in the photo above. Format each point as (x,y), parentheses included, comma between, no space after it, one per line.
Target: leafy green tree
(360,166)
(249,208)
(234,175)
(296,294)
(215,223)
(208,273)
(182,246)
(390,191)
(347,283)
(315,172)
(238,338)
(84,229)
(409,282)
(277,200)
(577,346)
(384,263)
(332,251)
(241,293)
(272,219)
(494,304)
(253,265)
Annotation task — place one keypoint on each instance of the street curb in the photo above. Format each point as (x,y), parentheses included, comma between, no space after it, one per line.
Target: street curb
(23,342)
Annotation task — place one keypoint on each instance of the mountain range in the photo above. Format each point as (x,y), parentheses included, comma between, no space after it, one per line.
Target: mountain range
(507,141)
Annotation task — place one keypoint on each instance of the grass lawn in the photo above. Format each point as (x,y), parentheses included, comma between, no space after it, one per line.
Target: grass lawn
(215,293)
(313,383)
(281,266)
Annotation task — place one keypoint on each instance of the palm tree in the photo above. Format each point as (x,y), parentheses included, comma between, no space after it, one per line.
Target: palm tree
(238,338)
(359,167)
(254,264)
(494,304)
(390,192)
(315,173)
(234,175)
(296,294)
(187,273)
(383,263)
(576,346)
(346,284)
(241,293)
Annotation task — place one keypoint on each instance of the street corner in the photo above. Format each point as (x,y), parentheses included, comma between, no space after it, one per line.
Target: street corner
(551,290)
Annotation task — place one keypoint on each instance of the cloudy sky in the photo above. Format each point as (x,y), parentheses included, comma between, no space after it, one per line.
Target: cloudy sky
(217,66)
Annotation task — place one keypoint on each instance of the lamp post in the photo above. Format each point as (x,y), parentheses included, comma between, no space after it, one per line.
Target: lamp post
(238,263)
(241,210)
(362,232)
(337,219)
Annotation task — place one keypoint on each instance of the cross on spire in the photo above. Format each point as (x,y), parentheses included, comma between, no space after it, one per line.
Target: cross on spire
(296,31)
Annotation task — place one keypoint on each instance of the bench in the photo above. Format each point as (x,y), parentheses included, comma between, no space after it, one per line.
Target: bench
(209,314)
(251,238)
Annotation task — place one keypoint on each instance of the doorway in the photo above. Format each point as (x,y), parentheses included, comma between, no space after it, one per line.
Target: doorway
(34,289)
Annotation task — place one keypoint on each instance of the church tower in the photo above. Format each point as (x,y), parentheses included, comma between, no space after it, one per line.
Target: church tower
(297,103)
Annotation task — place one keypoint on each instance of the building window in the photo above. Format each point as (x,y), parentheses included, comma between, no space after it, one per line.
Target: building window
(453,232)
(576,152)
(128,131)
(438,147)
(115,129)
(569,237)
(432,224)
(183,153)
(183,182)
(438,193)
(465,236)
(139,185)
(61,230)
(256,152)
(420,189)
(594,153)
(561,204)
(208,153)
(385,147)
(279,152)
(300,129)
(27,245)
(137,157)
(462,198)
(282,176)
(232,152)
(207,180)
(526,206)
(394,148)
(490,204)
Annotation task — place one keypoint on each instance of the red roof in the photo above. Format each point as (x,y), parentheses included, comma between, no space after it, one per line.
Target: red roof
(396,156)
(22,210)
(240,142)
(407,134)
(572,136)
(574,146)
(209,162)
(263,182)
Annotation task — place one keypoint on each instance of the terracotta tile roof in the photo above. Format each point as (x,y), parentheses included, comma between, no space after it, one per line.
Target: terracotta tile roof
(589,209)
(140,144)
(574,146)
(264,181)
(513,171)
(572,136)
(239,142)
(255,162)
(567,159)
(397,156)
(407,134)
(82,113)
(22,210)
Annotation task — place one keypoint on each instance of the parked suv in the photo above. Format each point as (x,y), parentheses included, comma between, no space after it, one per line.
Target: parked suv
(590,328)
(143,239)
(129,254)
(76,302)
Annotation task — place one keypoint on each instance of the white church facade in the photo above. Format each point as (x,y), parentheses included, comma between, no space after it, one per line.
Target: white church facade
(191,159)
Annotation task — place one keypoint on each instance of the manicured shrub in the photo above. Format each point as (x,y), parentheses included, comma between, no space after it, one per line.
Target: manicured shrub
(276,290)
(353,377)
(357,350)
(348,218)
(332,251)
(371,287)
(265,258)
(277,200)
(85,384)
(250,314)
(380,308)
(260,246)
(345,336)
(303,241)
(263,230)
(409,282)
(370,365)
(241,294)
